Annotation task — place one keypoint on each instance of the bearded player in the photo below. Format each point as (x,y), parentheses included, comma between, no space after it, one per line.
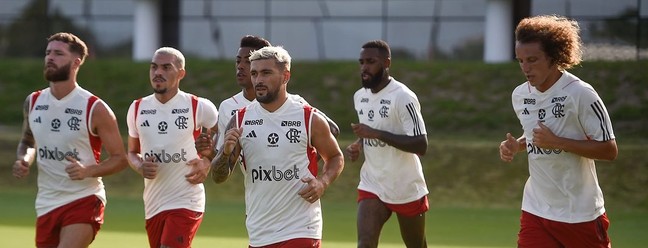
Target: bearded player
(391,133)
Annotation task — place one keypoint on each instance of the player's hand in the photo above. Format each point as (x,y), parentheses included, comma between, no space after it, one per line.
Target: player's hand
(312,190)
(205,144)
(75,170)
(543,137)
(353,150)
(20,169)
(149,169)
(508,148)
(364,131)
(231,140)
(199,170)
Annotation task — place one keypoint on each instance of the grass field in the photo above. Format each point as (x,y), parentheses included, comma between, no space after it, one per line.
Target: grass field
(474,202)
(223,225)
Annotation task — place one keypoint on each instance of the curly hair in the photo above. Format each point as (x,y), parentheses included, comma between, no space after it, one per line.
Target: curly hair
(558,36)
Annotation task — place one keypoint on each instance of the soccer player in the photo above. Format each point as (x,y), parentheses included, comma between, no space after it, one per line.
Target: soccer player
(162,129)
(65,126)
(566,127)
(277,137)
(391,133)
(228,107)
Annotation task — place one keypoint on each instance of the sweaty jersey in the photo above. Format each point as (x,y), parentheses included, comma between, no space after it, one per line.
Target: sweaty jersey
(61,128)
(167,132)
(277,154)
(562,186)
(393,175)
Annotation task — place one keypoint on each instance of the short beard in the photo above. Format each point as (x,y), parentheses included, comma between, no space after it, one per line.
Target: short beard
(58,75)
(160,91)
(374,80)
(269,97)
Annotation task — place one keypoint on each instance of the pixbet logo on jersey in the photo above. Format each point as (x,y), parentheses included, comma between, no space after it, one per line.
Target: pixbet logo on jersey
(533,149)
(46,153)
(374,143)
(164,157)
(273,174)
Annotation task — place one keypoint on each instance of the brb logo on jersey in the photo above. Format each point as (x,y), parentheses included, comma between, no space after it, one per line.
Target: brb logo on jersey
(164,157)
(273,174)
(56,154)
(258,122)
(180,111)
(148,111)
(291,123)
(73,111)
(41,107)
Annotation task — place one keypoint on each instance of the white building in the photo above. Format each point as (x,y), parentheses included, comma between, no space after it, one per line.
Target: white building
(320,29)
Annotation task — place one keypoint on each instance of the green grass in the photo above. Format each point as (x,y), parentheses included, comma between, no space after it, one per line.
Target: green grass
(223,225)
(467,98)
(474,196)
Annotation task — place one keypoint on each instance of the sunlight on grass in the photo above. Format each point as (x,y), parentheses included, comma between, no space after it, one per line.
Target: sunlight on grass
(24,237)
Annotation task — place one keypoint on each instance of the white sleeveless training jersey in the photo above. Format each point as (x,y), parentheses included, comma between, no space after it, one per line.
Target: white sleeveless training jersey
(60,128)
(562,186)
(226,110)
(277,154)
(167,133)
(229,106)
(393,175)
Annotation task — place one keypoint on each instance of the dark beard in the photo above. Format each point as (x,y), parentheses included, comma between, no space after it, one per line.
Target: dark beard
(58,75)
(374,80)
(269,97)
(160,91)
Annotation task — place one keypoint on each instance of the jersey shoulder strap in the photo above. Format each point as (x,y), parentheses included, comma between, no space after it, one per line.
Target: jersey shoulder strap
(194,107)
(91,102)
(137,104)
(239,116)
(32,101)
(308,114)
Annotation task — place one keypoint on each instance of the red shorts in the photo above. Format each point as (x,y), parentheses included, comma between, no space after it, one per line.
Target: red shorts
(540,232)
(409,209)
(174,228)
(298,242)
(89,209)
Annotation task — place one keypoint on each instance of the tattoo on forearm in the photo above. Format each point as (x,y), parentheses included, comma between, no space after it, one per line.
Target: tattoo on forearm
(221,167)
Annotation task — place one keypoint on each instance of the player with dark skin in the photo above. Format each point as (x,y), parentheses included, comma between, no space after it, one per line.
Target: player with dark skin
(372,213)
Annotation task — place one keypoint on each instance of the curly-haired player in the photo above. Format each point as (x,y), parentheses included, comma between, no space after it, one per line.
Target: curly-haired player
(566,127)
